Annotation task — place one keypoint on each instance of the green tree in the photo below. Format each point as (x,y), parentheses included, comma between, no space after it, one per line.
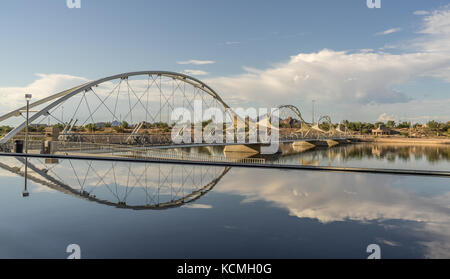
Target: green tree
(90,127)
(5,129)
(205,123)
(404,124)
(124,125)
(59,126)
(390,124)
(369,126)
(433,124)
(354,126)
(378,124)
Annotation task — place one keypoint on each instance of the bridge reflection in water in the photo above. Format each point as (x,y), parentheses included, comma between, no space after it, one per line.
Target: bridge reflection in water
(123,185)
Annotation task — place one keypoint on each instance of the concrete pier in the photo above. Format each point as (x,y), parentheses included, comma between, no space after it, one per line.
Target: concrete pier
(332,143)
(243,148)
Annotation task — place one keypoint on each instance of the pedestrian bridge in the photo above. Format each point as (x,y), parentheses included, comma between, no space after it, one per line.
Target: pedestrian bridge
(137,109)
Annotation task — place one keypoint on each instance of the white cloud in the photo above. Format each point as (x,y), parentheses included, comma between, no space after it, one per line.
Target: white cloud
(340,79)
(436,33)
(389,31)
(196,62)
(195,72)
(331,76)
(384,117)
(198,206)
(419,116)
(335,197)
(437,22)
(421,12)
(44,86)
(388,242)
(416,111)
(231,43)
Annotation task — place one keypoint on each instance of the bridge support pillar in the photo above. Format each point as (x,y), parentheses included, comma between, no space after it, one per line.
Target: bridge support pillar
(301,146)
(48,147)
(296,147)
(51,133)
(243,148)
(322,143)
(18,146)
(332,143)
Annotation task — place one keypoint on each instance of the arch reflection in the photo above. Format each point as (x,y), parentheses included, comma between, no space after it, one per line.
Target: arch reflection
(128,185)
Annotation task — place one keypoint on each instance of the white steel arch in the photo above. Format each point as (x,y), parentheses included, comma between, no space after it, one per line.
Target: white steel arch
(61,97)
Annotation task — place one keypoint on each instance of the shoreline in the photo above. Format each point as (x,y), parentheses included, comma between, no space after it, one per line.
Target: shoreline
(415,141)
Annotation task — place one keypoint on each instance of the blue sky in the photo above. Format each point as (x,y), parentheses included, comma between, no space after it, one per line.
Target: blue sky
(109,37)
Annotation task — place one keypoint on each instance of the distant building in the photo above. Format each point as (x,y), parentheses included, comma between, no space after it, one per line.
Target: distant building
(115,123)
(100,125)
(381,130)
(289,121)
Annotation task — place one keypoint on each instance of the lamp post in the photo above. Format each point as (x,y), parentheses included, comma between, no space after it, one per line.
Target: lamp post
(313,101)
(28,98)
(25,192)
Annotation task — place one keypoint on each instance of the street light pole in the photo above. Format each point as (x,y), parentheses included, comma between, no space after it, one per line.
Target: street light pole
(25,191)
(313,101)
(28,98)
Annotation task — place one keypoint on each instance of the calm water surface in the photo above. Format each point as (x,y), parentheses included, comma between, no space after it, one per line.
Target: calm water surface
(136,210)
